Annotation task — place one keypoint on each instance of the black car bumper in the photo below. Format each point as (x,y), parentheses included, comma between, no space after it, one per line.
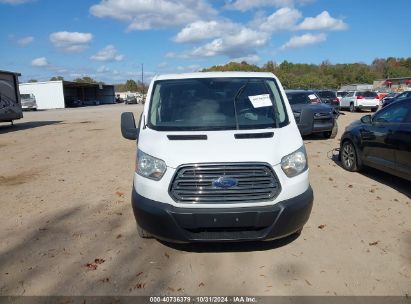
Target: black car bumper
(184,225)
(310,122)
(322,126)
(316,127)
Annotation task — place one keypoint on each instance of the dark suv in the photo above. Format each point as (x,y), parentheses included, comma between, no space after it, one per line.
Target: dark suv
(329,97)
(311,115)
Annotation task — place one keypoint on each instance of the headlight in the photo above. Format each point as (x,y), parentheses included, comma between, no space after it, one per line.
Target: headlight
(149,166)
(295,163)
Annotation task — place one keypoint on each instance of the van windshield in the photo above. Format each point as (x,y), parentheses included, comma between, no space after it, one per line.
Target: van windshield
(216,104)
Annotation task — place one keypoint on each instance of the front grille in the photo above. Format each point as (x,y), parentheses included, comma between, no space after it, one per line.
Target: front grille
(256,182)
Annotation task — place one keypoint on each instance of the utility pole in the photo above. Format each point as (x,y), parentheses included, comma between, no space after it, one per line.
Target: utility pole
(142,76)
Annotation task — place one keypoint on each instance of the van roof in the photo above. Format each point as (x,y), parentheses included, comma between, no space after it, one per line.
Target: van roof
(214,75)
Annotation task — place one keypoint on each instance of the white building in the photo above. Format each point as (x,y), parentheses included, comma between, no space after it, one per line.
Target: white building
(61,94)
(357,87)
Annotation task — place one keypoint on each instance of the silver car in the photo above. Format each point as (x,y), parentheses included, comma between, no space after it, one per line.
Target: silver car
(28,102)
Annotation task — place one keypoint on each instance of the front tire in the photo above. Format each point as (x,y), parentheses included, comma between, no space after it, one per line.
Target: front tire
(143,233)
(333,132)
(349,158)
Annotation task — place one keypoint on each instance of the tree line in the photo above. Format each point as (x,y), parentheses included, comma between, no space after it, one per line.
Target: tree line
(299,75)
(326,74)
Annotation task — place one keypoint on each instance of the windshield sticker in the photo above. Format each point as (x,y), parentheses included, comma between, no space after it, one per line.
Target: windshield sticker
(312,96)
(260,101)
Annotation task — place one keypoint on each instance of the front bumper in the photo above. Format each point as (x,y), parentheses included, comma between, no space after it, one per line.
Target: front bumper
(184,225)
(369,106)
(315,126)
(29,107)
(322,126)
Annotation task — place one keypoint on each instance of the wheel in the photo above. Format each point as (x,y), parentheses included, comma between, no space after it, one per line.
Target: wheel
(327,134)
(352,107)
(142,233)
(349,156)
(332,133)
(34,109)
(374,109)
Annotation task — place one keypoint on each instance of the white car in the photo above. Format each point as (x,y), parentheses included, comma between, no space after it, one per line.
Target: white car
(28,102)
(219,158)
(360,100)
(340,95)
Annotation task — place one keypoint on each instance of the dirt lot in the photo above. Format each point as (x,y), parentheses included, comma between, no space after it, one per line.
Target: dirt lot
(68,227)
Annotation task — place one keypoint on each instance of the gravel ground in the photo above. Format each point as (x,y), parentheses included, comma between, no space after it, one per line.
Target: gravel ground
(68,227)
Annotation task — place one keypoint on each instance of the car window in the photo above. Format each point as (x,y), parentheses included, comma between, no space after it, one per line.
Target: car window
(350,94)
(326,94)
(393,114)
(403,95)
(298,98)
(367,94)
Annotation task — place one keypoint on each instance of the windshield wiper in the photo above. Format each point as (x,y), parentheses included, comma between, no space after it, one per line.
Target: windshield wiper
(238,94)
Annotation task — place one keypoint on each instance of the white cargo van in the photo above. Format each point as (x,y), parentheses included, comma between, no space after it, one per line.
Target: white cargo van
(219,158)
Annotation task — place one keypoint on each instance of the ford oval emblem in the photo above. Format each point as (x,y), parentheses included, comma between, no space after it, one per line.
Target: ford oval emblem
(225,182)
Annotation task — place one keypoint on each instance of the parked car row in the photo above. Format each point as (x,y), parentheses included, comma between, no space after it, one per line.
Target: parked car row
(368,100)
(73,102)
(130,99)
(395,97)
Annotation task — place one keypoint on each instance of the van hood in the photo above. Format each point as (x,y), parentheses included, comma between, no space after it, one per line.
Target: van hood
(220,146)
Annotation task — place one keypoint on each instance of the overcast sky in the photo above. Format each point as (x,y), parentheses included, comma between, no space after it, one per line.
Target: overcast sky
(109,39)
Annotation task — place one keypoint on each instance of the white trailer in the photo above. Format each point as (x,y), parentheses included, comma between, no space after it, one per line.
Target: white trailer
(49,94)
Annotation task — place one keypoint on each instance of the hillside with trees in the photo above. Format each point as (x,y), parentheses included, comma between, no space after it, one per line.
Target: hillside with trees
(326,74)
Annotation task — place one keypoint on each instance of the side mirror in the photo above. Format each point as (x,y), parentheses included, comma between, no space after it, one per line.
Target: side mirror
(128,126)
(366,119)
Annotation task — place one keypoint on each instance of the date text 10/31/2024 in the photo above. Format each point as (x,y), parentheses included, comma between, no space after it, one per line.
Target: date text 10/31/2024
(199,299)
